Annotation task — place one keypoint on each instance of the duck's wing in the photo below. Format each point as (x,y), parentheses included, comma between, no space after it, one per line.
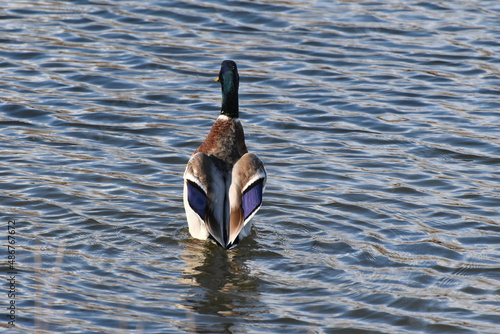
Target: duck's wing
(205,198)
(245,193)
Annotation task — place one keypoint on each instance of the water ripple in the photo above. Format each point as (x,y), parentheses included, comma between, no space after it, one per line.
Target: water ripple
(378,125)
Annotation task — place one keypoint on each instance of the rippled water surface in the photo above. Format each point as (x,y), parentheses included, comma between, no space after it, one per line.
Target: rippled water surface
(378,123)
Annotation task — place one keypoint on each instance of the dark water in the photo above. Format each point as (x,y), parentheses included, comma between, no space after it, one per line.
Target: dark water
(378,123)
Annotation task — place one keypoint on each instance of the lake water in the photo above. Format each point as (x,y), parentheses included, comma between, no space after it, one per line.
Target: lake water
(378,123)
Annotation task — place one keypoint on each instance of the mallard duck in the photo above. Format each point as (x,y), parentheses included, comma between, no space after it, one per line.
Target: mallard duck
(223,182)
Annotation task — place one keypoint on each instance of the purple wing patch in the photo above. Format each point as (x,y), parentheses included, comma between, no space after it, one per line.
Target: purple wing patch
(196,198)
(252,198)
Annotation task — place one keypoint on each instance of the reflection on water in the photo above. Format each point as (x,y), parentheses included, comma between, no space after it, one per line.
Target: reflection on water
(378,125)
(222,285)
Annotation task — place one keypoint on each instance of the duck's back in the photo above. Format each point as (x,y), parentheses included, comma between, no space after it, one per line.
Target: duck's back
(225,141)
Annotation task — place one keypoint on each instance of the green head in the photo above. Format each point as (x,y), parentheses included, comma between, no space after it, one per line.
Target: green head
(230,82)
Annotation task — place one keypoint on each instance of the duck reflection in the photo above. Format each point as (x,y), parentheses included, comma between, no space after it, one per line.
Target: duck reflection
(224,290)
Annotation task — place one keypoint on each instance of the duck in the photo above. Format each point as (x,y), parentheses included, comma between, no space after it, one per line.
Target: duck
(223,182)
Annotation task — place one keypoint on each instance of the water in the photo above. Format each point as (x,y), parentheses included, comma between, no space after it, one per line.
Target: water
(378,123)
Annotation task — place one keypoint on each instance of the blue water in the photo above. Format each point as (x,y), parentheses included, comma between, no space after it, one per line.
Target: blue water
(378,124)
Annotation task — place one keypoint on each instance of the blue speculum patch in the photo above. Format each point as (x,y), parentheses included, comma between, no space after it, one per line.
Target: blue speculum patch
(252,198)
(196,198)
